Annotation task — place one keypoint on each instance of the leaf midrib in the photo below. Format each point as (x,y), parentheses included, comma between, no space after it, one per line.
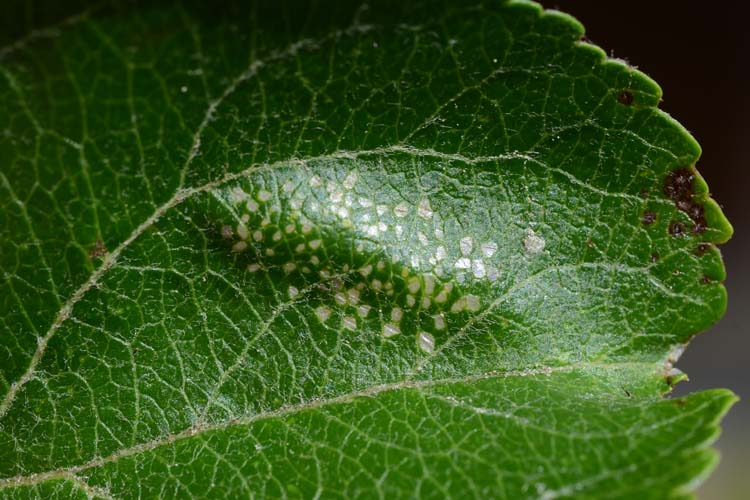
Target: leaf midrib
(200,428)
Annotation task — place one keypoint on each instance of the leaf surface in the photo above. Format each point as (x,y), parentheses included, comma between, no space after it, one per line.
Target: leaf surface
(407,249)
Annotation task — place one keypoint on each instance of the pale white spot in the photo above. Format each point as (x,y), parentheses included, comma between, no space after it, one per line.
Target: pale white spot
(270,252)
(438,233)
(340,298)
(363,310)
(300,248)
(466,245)
(414,285)
(424,210)
(382,227)
(440,253)
(353,296)
(396,314)
(472,303)
(489,248)
(289,228)
(439,320)
(429,284)
(492,274)
(293,292)
(266,221)
(226,232)
(306,227)
(253,268)
(183,89)
(401,210)
(323,313)
(477,267)
(306,269)
(426,342)
(276,236)
(264,195)
(459,305)
(288,186)
(315,244)
(372,230)
(342,212)
(399,229)
(463,263)
(380,265)
(376,284)
(296,203)
(349,322)
(533,243)
(365,203)
(365,271)
(245,218)
(314,260)
(337,196)
(289,267)
(240,246)
(252,206)
(426,303)
(410,300)
(381,209)
(315,181)
(257,235)
(422,238)
(350,180)
(389,330)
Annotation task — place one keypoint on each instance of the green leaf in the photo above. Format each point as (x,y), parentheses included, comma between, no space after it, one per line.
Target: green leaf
(410,249)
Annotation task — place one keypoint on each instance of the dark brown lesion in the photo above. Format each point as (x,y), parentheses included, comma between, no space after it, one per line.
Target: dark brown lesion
(648,217)
(626,97)
(679,187)
(98,250)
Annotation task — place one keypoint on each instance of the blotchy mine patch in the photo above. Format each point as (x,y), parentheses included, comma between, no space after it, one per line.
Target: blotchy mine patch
(294,235)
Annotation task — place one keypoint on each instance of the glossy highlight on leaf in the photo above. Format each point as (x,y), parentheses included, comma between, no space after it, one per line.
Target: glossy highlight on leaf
(404,249)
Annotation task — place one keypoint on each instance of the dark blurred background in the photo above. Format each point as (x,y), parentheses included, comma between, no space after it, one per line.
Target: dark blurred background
(698,53)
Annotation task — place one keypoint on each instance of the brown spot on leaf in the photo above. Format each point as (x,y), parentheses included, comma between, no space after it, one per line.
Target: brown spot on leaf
(678,186)
(648,218)
(705,280)
(702,249)
(677,228)
(625,97)
(98,250)
(654,257)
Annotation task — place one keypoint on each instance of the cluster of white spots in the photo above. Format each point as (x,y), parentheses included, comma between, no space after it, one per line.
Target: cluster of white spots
(422,292)
(426,342)
(533,244)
